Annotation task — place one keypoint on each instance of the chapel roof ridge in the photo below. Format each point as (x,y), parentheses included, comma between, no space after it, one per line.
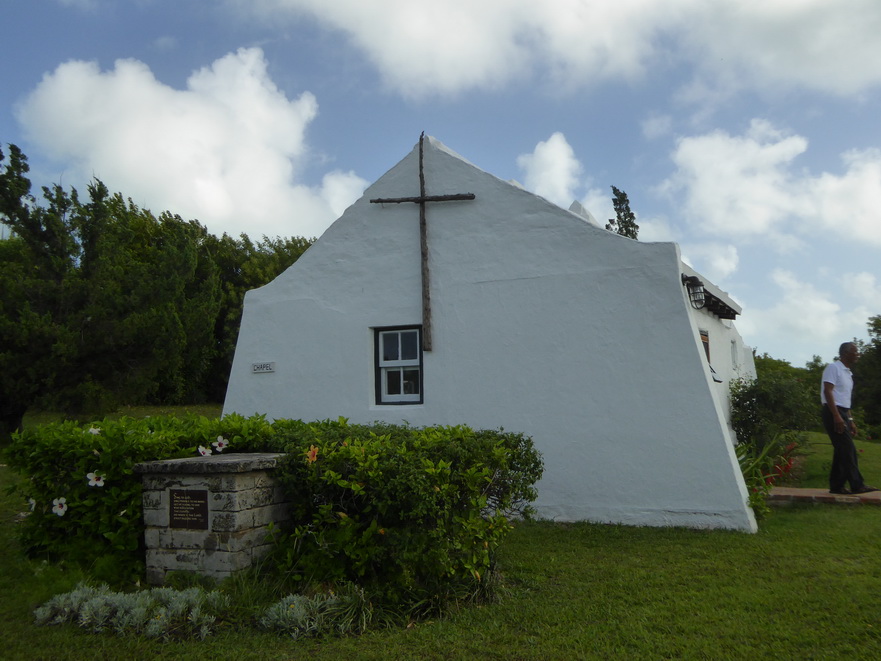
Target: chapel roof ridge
(440,146)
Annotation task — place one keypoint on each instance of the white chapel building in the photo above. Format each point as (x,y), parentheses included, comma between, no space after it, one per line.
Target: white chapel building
(448,296)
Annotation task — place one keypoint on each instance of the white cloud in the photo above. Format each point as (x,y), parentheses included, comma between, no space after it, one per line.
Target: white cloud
(423,47)
(864,291)
(814,44)
(801,312)
(736,185)
(225,150)
(863,286)
(850,203)
(552,171)
(657,126)
(341,189)
(807,320)
(655,229)
(717,261)
(748,186)
(599,203)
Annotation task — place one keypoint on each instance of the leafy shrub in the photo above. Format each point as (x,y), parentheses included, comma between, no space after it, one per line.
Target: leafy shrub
(771,404)
(865,430)
(762,468)
(84,495)
(769,415)
(413,514)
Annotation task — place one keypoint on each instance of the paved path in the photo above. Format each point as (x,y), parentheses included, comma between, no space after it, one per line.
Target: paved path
(787,495)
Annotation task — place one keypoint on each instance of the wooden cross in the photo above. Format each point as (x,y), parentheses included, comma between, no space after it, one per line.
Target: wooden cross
(423,238)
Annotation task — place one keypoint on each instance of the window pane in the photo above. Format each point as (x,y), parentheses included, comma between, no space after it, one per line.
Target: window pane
(411,382)
(705,338)
(409,345)
(390,346)
(393,382)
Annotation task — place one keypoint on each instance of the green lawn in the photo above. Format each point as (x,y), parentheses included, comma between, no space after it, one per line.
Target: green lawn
(818,459)
(33,418)
(806,586)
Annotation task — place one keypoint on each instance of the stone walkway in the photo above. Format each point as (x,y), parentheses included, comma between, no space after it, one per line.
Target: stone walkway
(789,495)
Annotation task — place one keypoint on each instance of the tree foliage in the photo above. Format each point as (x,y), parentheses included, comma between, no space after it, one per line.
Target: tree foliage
(624,222)
(867,391)
(102,303)
(782,398)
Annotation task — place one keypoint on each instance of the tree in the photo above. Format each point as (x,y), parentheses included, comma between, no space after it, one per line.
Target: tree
(867,374)
(782,398)
(146,312)
(24,327)
(34,267)
(815,366)
(624,222)
(101,303)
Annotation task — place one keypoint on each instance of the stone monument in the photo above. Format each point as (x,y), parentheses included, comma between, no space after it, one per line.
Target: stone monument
(209,515)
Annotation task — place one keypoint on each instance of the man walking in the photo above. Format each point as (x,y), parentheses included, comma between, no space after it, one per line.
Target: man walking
(835,394)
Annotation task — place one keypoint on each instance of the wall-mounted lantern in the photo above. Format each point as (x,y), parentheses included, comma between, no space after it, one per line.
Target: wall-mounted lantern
(696,293)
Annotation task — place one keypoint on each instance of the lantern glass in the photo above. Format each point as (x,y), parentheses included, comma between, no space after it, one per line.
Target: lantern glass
(696,292)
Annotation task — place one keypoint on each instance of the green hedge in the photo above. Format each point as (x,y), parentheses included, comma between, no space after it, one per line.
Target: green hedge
(415,513)
(84,496)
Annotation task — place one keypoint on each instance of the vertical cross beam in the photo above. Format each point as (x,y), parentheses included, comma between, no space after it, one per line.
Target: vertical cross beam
(423,238)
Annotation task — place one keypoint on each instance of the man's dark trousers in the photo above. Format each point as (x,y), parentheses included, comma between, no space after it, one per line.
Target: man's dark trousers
(844,453)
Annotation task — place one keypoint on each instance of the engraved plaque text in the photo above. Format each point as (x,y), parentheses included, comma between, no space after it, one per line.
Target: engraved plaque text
(188,509)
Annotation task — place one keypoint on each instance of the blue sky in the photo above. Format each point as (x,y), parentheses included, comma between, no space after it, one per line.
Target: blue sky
(748,132)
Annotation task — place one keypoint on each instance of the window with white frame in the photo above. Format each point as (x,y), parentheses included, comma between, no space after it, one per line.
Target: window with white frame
(399,365)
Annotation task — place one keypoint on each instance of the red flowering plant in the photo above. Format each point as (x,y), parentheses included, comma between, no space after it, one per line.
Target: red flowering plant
(782,464)
(764,468)
(769,415)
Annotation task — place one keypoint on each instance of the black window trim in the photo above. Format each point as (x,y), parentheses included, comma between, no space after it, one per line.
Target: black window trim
(377,370)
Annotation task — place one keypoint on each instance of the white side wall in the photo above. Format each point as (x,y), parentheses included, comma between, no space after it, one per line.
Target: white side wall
(730,357)
(542,324)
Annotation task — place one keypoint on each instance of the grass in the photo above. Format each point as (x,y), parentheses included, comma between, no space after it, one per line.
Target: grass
(817,454)
(806,586)
(34,418)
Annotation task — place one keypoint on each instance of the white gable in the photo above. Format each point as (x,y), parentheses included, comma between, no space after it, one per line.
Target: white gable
(541,323)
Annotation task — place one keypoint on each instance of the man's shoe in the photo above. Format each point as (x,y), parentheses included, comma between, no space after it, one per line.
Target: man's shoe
(840,492)
(865,489)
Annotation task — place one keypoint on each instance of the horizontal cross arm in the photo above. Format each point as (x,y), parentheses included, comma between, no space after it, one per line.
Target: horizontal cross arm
(423,198)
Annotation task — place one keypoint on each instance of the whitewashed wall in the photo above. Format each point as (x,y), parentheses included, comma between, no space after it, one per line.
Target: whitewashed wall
(543,323)
(730,357)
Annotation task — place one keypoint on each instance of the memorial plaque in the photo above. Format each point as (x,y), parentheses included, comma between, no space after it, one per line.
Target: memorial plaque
(188,509)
